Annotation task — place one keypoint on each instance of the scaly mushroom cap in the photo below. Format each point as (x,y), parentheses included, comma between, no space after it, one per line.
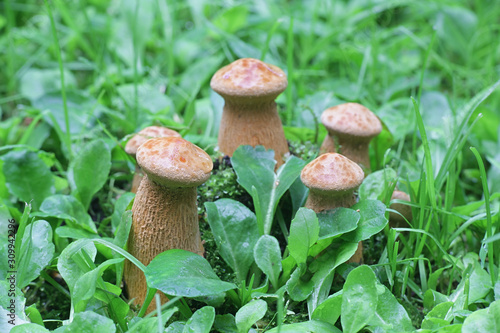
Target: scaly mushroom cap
(332,172)
(249,78)
(351,119)
(174,162)
(146,134)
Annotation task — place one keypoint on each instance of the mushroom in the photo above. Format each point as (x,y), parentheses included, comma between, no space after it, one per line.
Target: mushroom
(350,128)
(332,179)
(164,213)
(396,220)
(249,88)
(137,140)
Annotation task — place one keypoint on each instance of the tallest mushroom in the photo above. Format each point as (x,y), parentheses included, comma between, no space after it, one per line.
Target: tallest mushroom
(249,88)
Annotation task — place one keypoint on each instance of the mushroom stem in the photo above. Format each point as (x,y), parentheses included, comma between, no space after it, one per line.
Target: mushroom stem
(356,150)
(320,202)
(163,218)
(255,124)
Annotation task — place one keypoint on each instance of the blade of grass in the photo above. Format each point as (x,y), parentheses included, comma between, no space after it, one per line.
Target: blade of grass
(268,39)
(489,229)
(67,137)
(462,132)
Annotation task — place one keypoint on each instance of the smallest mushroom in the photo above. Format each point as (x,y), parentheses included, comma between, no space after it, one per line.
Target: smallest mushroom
(332,179)
(350,126)
(396,220)
(137,140)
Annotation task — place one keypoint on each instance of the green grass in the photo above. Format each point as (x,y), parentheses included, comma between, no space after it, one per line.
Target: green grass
(102,70)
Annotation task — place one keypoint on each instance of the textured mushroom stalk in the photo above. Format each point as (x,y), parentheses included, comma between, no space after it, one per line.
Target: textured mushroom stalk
(250,117)
(350,127)
(332,179)
(164,212)
(137,140)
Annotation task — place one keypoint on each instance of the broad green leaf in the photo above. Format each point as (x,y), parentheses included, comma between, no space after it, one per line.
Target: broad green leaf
(338,221)
(87,322)
(323,269)
(85,286)
(329,310)
(255,168)
(68,263)
(304,231)
(89,170)
(315,326)
(10,295)
(123,230)
(183,273)
(372,220)
(82,110)
(390,315)
(68,208)
(232,19)
(234,227)
(483,321)
(300,285)
(27,177)
(359,299)
(34,315)
(249,314)
(441,315)
(225,323)
(37,82)
(28,328)
(175,327)
(267,256)
(201,321)
(37,250)
(375,185)
(71,232)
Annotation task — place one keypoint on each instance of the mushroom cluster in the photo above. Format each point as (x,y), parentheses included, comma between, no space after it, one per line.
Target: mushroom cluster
(164,212)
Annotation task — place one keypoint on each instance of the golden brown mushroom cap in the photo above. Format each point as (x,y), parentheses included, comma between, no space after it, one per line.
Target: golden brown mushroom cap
(332,172)
(249,77)
(351,119)
(174,162)
(146,134)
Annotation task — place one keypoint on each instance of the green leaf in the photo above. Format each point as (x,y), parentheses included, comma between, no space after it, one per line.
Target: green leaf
(304,231)
(329,310)
(375,185)
(232,19)
(267,256)
(120,207)
(27,177)
(483,321)
(335,222)
(183,273)
(7,225)
(37,251)
(37,82)
(249,314)
(315,326)
(234,227)
(201,321)
(255,168)
(87,322)
(323,269)
(372,220)
(390,315)
(89,170)
(85,286)
(359,299)
(225,323)
(439,316)
(68,208)
(68,263)
(29,328)
(300,285)
(82,110)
